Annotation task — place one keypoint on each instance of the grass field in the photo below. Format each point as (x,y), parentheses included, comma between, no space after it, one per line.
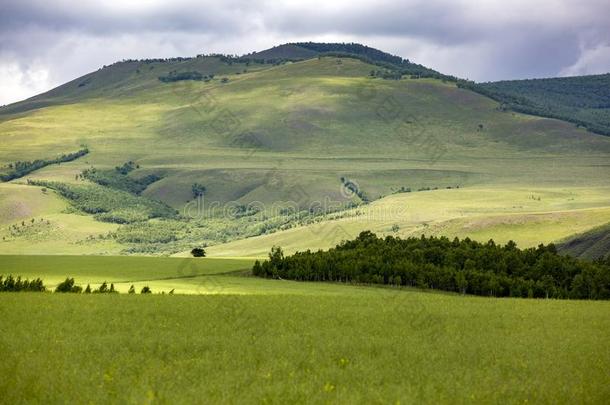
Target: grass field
(161,274)
(279,341)
(313,122)
(529,216)
(277,136)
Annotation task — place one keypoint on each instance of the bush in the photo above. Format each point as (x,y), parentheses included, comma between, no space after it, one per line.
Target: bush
(102,289)
(67,286)
(146,290)
(198,252)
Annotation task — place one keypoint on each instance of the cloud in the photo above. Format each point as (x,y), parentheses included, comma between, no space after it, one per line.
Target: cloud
(488,40)
(591,61)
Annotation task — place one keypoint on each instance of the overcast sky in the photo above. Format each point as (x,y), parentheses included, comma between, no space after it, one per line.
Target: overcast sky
(44,43)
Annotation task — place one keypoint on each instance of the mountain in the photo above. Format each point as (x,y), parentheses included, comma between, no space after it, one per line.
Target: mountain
(275,144)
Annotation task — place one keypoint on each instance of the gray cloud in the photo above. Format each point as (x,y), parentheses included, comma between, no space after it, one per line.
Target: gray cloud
(45,43)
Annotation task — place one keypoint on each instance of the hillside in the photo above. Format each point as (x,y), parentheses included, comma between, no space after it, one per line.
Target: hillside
(582,100)
(276,149)
(592,244)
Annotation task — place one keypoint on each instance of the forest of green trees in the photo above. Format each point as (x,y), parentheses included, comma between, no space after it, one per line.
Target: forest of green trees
(463,266)
(582,100)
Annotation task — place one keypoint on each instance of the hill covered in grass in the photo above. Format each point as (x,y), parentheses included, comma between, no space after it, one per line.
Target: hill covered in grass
(592,244)
(582,100)
(286,145)
(395,66)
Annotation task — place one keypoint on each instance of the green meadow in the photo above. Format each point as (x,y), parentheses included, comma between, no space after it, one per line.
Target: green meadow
(278,341)
(313,123)
(275,147)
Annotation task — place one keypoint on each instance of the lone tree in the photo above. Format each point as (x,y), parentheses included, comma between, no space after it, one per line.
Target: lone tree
(198,252)
(198,190)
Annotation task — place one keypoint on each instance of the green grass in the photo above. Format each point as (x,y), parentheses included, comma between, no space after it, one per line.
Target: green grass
(184,274)
(354,344)
(239,339)
(482,213)
(592,244)
(289,133)
(583,100)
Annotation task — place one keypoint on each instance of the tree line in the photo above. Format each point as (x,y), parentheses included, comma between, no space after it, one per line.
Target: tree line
(21,168)
(17,284)
(464,266)
(174,76)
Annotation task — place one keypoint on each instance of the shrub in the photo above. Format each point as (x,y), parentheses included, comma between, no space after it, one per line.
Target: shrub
(67,286)
(103,289)
(198,252)
(146,290)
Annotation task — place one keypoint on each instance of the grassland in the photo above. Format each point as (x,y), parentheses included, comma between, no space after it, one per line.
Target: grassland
(591,244)
(583,100)
(298,343)
(161,274)
(529,216)
(313,122)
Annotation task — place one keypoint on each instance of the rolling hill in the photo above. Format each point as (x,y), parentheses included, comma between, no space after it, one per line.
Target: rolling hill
(592,244)
(582,100)
(287,142)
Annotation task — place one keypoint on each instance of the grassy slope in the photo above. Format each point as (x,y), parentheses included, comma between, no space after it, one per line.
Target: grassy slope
(583,99)
(482,213)
(350,344)
(312,122)
(591,244)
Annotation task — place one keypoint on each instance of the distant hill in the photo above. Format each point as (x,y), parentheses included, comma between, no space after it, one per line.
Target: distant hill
(582,100)
(308,50)
(285,51)
(589,245)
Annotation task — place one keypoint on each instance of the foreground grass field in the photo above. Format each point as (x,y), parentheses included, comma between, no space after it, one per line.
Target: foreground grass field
(351,344)
(248,340)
